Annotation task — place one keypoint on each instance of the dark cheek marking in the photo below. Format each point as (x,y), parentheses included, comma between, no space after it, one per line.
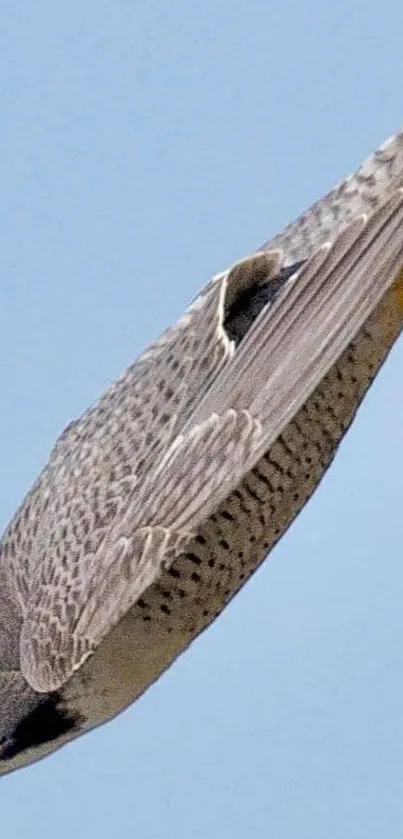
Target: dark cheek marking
(43,724)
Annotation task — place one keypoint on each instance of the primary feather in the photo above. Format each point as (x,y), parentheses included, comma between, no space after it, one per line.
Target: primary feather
(158,503)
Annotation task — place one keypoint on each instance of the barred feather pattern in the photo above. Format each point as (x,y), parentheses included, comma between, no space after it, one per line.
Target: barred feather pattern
(77,559)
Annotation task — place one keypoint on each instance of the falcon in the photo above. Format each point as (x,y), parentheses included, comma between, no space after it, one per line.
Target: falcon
(162,499)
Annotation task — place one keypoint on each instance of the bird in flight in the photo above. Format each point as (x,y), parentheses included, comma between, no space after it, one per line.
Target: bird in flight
(161,500)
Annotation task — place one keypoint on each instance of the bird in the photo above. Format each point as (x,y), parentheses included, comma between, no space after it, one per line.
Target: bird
(158,504)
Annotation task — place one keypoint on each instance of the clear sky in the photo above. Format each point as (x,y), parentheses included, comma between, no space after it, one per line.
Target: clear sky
(143,147)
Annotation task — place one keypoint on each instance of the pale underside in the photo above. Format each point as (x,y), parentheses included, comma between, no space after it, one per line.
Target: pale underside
(163,498)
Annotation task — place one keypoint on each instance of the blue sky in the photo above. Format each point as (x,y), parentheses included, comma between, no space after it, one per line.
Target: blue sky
(143,147)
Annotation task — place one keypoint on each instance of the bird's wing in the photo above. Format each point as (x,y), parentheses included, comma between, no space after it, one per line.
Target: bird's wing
(100,458)
(249,400)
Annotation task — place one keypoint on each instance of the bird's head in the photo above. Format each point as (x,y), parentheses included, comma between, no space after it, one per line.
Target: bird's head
(31,724)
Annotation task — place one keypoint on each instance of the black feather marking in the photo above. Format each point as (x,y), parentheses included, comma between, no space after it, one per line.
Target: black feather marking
(248,305)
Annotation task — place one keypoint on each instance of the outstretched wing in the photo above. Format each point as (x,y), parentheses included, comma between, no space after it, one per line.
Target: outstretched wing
(248,398)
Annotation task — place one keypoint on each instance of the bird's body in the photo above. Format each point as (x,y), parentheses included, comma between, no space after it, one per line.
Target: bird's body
(161,500)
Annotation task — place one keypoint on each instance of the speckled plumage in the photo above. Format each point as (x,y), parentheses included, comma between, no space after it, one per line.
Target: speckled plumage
(160,501)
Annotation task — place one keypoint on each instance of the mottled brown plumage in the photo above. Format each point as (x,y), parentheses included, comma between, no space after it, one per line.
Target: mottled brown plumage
(160,501)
